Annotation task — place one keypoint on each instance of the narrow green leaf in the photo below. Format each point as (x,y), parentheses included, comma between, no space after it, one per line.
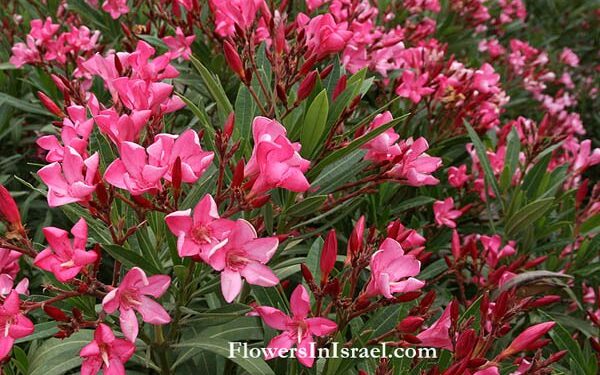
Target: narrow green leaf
(527,216)
(23,105)
(131,258)
(314,124)
(511,159)
(214,87)
(306,206)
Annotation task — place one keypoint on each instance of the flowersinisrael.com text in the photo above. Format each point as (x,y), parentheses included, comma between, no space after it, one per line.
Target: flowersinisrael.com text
(242,349)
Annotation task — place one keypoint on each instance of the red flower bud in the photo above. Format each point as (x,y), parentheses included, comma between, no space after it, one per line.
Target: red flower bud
(411,339)
(581,192)
(238,174)
(101,194)
(340,86)
(260,201)
(595,344)
(307,66)
(56,313)
(476,362)
(328,255)
(332,288)
(176,176)
(233,60)
(143,202)
(407,297)
(307,85)
(544,301)
(229,125)
(59,83)
(8,208)
(410,324)
(326,71)
(50,105)
(306,274)
(355,242)
(427,301)
(455,245)
(465,343)
(281,93)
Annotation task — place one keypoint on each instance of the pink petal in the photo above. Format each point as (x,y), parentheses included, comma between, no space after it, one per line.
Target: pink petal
(129,324)
(259,274)
(153,312)
(300,302)
(231,284)
(273,317)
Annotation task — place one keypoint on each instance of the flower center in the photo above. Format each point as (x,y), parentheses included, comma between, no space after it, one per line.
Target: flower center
(236,259)
(201,235)
(130,299)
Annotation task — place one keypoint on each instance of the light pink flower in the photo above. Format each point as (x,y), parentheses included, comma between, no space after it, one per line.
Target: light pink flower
(392,271)
(179,45)
(133,172)
(414,165)
(167,148)
(201,233)
(457,177)
(65,258)
(413,87)
(299,330)
(7,285)
(384,146)
(324,36)
(275,161)
(9,262)
(228,13)
(445,214)
(485,80)
(75,132)
(244,255)
(72,180)
(43,31)
(122,128)
(132,295)
(116,8)
(13,324)
(106,353)
(24,53)
(437,335)
(586,157)
(494,253)
(569,57)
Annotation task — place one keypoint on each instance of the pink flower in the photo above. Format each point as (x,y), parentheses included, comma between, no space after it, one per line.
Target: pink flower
(384,146)
(13,324)
(275,161)
(444,213)
(485,80)
(72,180)
(7,285)
(228,13)
(392,271)
(491,246)
(493,370)
(314,4)
(24,53)
(569,57)
(324,36)
(414,165)
(437,335)
(65,258)
(9,262)
(133,172)
(413,87)
(115,7)
(202,233)
(586,157)
(167,148)
(527,339)
(407,238)
(138,94)
(43,30)
(179,45)
(9,211)
(132,295)
(299,330)
(457,177)
(122,128)
(244,255)
(75,132)
(105,352)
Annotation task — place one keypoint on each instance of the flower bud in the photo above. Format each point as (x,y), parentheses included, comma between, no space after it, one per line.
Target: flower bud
(176,175)
(340,87)
(328,255)
(581,192)
(306,274)
(238,174)
(465,343)
(307,85)
(55,313)
(412,339)
(50,105)
(355,242)
(307,66)
(229,125)
(409,324)
(8,208)
(528,339)
(233,60)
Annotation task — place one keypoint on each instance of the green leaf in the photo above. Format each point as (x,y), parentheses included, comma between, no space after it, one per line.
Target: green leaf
(562,339)
(130,258)
(511,159)
(306,206)
(527,216)
(590,225)
(254,366)
(421,200)
(214,87)
(485,162)
(314,124)
(23,105)
(56,357)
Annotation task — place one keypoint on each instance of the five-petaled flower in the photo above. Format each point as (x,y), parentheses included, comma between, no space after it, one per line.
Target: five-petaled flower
(13,324)
(106,353)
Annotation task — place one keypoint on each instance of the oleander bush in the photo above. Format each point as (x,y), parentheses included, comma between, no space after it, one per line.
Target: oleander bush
(183,177)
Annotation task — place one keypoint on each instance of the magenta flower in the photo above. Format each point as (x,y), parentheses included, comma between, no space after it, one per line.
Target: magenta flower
(244,255)
(132,295)
(413,87)
(9,262)
(228,13)
(24,53)
(133,172)
(299,330)
(43,30)
(392,271)
(324,35)
(115,7)
(138,94)
(179,45)
(75,131)
(202,233)
(167,148)
(106,353)
(122,128)
(414,165)
(13,324)
(445,214)
(65,258)
(437,335)
(384,146)
(72,180)
(567,56)
(494,253)
(485,80)
(275,161)
(457,177)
